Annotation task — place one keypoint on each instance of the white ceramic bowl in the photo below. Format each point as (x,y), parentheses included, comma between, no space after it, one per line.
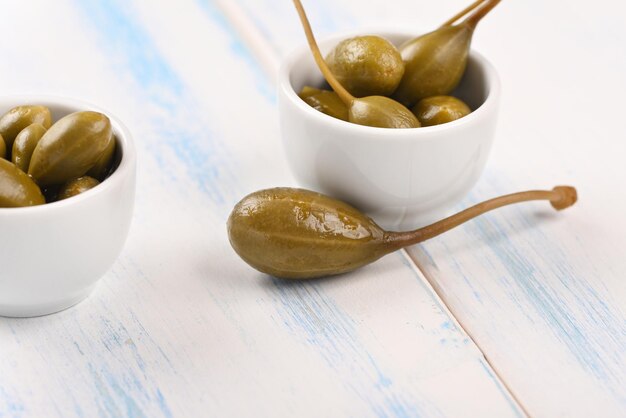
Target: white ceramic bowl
(402,178)
(52,255)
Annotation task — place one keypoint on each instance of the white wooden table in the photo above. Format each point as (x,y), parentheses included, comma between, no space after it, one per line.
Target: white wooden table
(519,313)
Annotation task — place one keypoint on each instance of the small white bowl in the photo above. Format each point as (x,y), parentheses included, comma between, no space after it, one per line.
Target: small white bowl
(402,178)
(52,255)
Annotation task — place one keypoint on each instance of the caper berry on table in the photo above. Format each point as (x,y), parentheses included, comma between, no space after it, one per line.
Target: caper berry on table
(272,232)
(43,162)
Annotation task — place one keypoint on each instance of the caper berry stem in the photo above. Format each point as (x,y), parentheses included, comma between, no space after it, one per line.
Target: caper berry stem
(561,197)
(477,15)
(463,12)
(343,94)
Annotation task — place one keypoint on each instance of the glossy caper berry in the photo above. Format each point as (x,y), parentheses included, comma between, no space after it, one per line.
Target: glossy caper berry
(17,189)
(267,229)
(70,148)
(381,112)
(76,187)
(435,62)
(24,145)
(437,110)
(3,148)
(18,118)
(366,65)
(300,234)
(325,101)
(104,165)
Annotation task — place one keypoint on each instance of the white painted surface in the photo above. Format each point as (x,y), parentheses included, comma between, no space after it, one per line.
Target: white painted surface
(180,326)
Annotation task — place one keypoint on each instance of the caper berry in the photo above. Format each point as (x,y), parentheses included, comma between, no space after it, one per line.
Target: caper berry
(325,101)
(24,145)
(76,187)
(440,109)
(366,66)
(300,234)
(71,147)
(3,148)
(17,189)
(18,118)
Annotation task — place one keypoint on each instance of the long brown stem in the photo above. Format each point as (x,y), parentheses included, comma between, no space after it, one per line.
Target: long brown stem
(475,17)
(560,197)
(463,12)
(343,94)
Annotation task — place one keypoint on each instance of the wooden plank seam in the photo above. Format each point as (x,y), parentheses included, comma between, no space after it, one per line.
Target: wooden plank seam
(430,283)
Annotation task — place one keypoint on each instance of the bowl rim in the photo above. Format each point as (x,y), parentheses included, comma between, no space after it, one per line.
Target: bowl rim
(125,168)
(421,133)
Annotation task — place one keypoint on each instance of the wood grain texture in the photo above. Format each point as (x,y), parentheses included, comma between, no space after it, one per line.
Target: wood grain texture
(180,327)
(542,294)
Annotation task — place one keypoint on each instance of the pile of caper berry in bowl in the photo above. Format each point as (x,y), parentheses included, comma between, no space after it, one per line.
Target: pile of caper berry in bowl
(41,162)
(67,186)
(350,132)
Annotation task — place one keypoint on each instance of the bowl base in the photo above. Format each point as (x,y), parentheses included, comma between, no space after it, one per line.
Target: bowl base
(29,311)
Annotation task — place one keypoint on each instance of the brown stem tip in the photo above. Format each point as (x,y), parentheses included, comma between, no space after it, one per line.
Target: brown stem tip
(566,197)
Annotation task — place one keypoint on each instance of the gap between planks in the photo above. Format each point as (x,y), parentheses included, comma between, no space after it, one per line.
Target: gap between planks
(436,291)
(268,59)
